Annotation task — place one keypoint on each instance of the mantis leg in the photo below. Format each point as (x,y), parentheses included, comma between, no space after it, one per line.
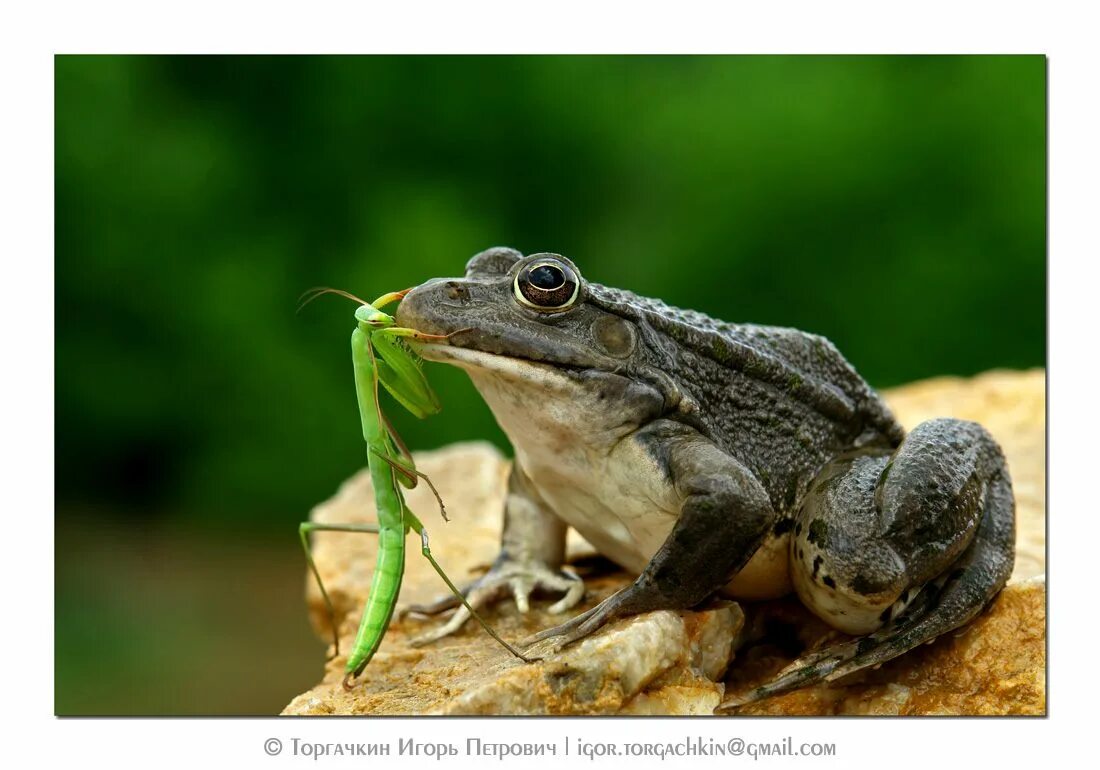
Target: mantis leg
(306,527)
(303,533)
(408,470)
(393,296)
(401,331)
(398,454)
(425,549)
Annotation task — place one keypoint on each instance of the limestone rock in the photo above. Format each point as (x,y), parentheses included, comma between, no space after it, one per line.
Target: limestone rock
(666,662)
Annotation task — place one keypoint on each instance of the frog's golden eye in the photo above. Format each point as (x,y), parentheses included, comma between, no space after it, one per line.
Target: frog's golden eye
(547,284)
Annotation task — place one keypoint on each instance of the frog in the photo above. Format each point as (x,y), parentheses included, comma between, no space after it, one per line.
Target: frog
(712,461)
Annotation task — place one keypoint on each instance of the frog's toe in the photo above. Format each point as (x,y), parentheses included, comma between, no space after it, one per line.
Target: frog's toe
(551,639)
(436,607)
(617,605)
(547,646)
(479,597)
(542,578)
(521,592)
(517,579)
(541,650)
(448,628)
(573,586)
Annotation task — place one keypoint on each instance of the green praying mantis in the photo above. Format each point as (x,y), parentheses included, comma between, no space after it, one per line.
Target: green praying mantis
(380,354)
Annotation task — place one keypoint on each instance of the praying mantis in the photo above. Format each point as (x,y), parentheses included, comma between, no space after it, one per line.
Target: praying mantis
(380,355)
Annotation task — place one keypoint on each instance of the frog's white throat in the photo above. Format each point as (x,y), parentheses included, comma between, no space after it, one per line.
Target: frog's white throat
(570,443)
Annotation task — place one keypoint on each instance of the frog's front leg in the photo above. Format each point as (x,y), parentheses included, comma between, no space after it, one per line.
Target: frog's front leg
(900,548)
(725,515)
(532,551)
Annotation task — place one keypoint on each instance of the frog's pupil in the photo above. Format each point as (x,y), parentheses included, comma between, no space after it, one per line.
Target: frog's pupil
(547,277)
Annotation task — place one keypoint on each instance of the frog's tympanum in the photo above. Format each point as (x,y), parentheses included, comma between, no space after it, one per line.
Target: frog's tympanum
(714,458)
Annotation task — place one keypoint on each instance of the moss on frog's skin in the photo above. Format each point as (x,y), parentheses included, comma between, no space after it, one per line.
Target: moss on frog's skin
(755,368)
(720,352)
(730,354)
(817,533)
(794,381)
(677,332)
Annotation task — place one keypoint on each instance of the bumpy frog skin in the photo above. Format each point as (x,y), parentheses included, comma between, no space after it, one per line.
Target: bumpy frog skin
(714,458)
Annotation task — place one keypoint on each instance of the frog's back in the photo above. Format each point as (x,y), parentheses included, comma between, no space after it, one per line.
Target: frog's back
(781,400)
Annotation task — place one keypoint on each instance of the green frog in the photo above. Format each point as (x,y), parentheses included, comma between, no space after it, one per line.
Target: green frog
(713,459)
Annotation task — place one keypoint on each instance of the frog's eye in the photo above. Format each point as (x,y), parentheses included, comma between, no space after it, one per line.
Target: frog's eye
(547,284)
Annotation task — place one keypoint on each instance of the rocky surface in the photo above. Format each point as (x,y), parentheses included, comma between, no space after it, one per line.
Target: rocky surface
(669,662)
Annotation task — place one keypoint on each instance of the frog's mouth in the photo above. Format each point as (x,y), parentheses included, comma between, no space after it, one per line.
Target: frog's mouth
(478,362)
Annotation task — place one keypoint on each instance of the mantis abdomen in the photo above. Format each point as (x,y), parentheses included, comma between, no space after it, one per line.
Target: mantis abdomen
(385,585)
(390,566)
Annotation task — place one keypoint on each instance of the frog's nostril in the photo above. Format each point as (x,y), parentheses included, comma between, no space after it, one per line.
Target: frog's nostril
(456,290)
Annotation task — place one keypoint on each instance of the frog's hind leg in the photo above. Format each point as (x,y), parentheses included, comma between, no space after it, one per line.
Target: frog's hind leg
(924,538)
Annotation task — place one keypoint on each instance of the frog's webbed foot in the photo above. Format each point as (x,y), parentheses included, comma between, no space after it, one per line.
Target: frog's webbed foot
(947,483)
(520,579)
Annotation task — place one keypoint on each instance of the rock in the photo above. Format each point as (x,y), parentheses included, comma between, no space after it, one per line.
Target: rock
(675,662)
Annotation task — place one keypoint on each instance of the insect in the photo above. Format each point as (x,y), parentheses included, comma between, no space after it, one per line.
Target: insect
(380,355)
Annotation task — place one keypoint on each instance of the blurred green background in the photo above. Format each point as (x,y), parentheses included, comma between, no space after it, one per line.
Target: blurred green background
(893,204)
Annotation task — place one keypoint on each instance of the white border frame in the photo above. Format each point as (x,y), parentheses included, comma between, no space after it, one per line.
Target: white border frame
(33,33)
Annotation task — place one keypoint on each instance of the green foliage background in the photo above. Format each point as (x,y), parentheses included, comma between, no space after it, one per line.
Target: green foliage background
(893,204)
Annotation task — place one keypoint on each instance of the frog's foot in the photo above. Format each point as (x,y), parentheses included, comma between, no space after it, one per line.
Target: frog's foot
(520,579)
(547,642)
(641,596)
(946,485)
